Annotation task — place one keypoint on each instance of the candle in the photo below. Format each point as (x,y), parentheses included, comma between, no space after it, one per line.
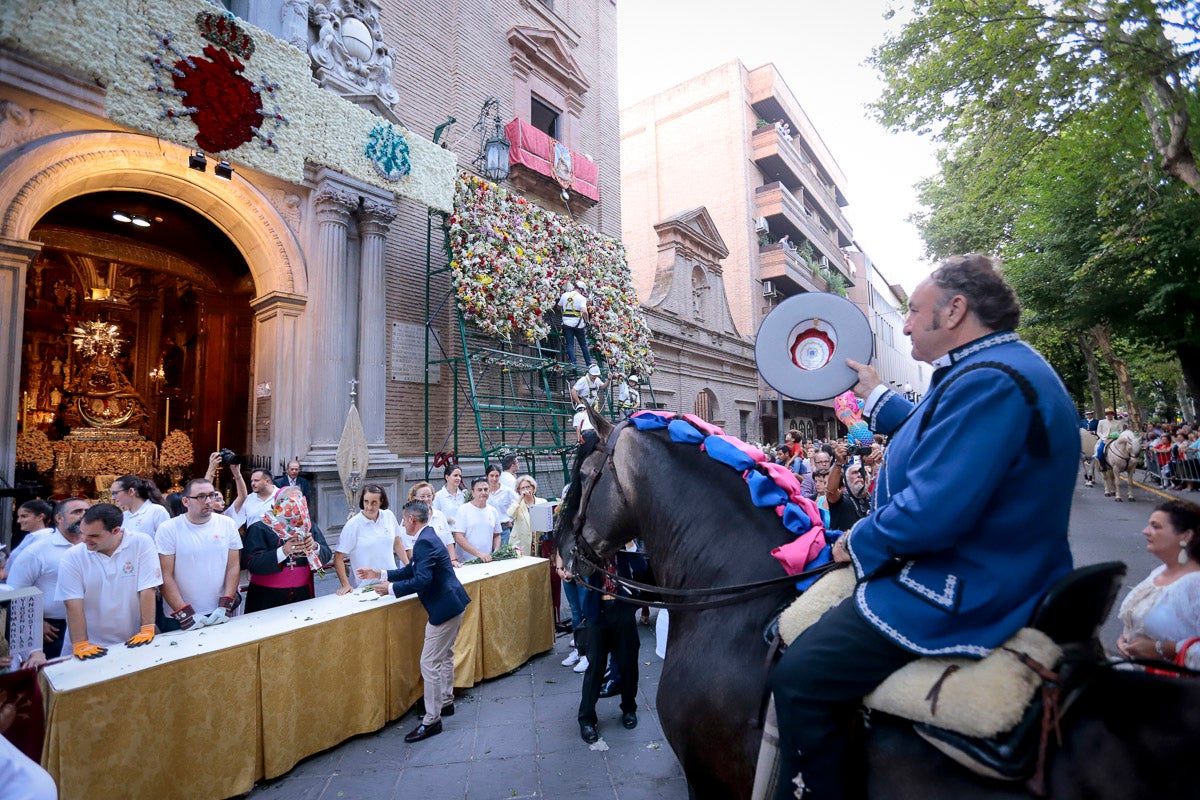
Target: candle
(218,434)
(24,411)
(167,421)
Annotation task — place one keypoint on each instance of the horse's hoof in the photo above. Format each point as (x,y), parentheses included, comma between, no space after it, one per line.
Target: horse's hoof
(1131,499)
(1119,500)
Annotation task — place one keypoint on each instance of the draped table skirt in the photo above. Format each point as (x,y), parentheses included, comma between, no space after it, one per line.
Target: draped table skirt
(204,714)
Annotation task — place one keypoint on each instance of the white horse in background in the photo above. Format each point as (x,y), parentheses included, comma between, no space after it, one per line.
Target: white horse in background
(1087,454)
(1121,456)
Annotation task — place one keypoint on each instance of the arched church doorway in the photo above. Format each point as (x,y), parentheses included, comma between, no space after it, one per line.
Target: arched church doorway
(138,320)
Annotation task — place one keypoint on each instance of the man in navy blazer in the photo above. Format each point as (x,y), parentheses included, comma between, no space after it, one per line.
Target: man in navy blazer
(431,576)
(969,527)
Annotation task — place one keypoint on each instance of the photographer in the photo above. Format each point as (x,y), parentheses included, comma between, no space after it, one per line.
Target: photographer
(236,510)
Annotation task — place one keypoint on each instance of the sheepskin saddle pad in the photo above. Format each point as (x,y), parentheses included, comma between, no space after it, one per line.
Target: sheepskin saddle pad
(976,698)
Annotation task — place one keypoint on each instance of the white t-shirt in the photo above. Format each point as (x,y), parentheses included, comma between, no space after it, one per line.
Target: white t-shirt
(585,388)
(582,423)
(38,566)
(370,543)
(109,586)
(29,539)
(508,481)
(437,520)
(146,519)
(21,777)
(628,396)
(254,508)
(573,305)
(201,557)
(478,525)
(502,500)
(448,503)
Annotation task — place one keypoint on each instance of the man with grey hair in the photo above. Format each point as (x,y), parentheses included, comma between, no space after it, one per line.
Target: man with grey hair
(945,566)
(432,577)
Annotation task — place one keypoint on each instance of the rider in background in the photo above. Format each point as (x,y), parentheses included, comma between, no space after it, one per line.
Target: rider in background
(1089,421)
(1107,429)
(959,549)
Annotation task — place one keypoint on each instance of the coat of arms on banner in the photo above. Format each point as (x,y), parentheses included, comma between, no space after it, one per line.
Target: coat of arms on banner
(562,166)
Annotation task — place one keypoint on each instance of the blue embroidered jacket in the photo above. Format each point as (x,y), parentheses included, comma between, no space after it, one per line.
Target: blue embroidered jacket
(970,527)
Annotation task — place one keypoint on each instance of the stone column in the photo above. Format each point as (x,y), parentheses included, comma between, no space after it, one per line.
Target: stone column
(373,222)
(329,387)
(15,257)
(278,398)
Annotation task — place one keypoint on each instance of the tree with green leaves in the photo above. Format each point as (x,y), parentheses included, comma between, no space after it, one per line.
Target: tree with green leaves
(1024,68)
(1052,115)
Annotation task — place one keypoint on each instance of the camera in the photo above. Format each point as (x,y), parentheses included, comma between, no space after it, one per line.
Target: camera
(228,457)
(860,451)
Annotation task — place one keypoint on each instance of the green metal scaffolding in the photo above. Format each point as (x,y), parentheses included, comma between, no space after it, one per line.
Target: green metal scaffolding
(517,396)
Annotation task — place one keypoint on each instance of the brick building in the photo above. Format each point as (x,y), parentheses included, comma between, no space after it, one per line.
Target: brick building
(704,366)
(259,275)
(736,141)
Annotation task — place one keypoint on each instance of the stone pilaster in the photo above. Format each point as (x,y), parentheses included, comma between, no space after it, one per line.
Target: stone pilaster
(374,219)
(279,396)
(15,257)
(331,323)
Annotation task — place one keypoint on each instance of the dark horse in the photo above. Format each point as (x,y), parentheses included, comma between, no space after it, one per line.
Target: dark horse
(1126,735)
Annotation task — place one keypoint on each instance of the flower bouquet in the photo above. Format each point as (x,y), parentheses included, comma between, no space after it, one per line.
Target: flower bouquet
(503,553)
(174,455)
(34,447)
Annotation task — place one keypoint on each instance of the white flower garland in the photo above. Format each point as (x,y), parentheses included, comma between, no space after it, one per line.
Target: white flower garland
(105,40)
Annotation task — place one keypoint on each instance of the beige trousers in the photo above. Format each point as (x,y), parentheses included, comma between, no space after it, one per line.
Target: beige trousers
(437,667)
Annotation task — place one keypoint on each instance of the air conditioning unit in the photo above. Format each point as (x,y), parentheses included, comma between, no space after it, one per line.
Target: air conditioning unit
(760,225)
(769,289)
(824,261)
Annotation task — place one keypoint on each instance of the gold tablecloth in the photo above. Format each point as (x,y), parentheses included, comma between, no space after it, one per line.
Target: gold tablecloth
(204,715)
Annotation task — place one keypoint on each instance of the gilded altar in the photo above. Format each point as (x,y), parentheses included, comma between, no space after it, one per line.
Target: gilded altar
(87,452)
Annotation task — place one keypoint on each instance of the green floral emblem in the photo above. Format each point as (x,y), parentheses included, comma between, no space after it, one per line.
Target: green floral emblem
(388,152)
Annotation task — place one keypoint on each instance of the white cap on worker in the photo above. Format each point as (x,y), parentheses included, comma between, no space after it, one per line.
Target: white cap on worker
(580,285)
(632,379)
(594,369)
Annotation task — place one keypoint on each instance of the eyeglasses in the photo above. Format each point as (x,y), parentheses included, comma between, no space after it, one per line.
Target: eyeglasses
(211,497)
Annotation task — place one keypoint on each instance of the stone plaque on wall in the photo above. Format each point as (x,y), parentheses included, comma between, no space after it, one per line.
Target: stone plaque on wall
(408,354)
(262,420)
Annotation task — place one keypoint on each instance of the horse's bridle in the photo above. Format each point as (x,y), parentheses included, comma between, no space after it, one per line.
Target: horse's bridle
(585,553)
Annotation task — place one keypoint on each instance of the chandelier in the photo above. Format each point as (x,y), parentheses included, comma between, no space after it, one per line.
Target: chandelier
(97,338)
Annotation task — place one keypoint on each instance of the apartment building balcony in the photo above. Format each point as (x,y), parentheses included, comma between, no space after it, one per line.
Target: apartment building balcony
(780,159)
(786,215)
(543,164)
(788,270)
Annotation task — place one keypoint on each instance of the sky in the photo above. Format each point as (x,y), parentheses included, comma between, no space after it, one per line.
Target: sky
(820,48)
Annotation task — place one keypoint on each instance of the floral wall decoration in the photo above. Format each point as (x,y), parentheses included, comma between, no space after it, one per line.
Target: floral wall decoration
(191,73)
(512,260)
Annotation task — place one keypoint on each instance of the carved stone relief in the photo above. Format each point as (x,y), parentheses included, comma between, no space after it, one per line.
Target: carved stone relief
(349,55)
(19,125)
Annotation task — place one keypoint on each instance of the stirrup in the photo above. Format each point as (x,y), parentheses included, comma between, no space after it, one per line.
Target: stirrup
(1009,756)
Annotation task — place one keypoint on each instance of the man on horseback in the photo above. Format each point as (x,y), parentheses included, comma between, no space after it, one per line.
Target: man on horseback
(1107,429)
(959,548)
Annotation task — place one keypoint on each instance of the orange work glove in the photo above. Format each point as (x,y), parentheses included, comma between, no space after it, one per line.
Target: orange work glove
(85,650)
(144,636)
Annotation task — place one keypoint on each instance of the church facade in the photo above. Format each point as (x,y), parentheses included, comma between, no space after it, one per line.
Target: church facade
(220,218)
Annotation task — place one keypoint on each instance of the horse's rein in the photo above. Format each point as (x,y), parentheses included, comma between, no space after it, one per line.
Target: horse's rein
(585,553)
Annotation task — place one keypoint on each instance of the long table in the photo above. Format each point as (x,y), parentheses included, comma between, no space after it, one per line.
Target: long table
(204,714)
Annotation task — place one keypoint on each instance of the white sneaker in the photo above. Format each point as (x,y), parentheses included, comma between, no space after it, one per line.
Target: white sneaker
(582,665)
(572,659)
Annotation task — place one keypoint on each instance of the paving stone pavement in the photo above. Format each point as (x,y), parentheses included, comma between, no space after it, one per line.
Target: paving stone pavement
(510,737)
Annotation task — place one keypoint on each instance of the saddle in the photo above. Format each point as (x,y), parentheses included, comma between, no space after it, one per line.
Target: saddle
(986,714)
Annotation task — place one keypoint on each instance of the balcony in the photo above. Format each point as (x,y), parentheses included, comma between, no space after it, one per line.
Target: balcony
(539,162)
(786,214)
(781,160)
(788,269)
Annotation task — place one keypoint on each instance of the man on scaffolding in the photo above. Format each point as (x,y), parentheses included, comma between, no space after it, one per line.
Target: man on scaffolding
(575,319)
